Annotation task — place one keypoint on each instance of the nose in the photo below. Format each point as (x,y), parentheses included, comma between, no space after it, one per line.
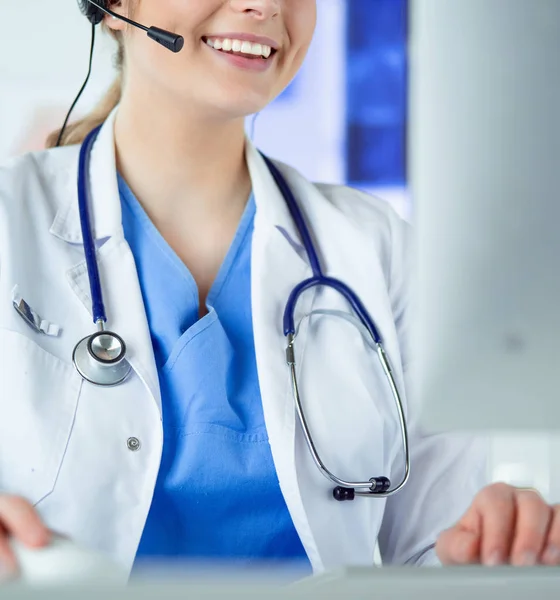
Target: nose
(259,9)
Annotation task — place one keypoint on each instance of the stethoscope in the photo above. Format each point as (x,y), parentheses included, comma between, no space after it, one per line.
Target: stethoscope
(100,358)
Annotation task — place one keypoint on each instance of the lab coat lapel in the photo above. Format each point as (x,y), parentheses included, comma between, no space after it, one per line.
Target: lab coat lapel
(121,290)
(278,265)
(124,306)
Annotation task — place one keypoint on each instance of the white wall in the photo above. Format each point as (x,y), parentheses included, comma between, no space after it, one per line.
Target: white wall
(44,50)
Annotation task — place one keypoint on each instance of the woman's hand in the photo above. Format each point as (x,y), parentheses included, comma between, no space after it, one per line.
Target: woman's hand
(504,525)
(18,519)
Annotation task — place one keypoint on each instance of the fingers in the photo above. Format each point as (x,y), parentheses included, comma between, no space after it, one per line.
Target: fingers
(8,565)
(534,517)
(20,520)
(504,525)
(497,507)
(458,547)
(551,553)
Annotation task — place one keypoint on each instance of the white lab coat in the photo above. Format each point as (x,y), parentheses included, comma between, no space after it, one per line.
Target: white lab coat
(63,441)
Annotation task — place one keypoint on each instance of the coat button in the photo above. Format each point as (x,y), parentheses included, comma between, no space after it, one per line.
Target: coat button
(133,444)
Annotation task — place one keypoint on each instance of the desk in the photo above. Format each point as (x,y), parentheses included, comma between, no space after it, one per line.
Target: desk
(391,583)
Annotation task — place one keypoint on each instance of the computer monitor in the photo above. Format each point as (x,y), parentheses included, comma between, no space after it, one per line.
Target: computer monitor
(485,183)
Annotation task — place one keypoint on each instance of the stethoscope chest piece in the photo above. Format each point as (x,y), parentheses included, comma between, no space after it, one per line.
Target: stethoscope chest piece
(100,358)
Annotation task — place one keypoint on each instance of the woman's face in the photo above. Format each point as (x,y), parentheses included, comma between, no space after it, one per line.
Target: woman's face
(208,74)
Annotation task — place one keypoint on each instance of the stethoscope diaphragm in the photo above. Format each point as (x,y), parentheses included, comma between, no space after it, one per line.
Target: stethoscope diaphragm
(100,358)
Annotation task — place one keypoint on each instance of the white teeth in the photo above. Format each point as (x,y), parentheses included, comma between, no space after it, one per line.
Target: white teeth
(242,46)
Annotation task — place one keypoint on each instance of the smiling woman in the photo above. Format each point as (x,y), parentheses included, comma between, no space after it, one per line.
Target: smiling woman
(188,78)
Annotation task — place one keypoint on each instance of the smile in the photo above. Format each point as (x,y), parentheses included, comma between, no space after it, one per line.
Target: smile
(240,48)
(241,54)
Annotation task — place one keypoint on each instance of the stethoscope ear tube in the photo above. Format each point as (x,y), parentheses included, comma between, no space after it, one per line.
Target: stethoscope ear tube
(376,487)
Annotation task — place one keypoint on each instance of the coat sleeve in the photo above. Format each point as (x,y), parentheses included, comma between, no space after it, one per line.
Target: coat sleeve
(447,470)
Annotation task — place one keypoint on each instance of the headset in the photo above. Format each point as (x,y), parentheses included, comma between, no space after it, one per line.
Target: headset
(95,11)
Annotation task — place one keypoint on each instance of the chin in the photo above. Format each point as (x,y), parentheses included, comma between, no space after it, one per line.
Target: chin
(242,106)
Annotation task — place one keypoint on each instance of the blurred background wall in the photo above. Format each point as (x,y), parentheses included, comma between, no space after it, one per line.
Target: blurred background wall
(342,120)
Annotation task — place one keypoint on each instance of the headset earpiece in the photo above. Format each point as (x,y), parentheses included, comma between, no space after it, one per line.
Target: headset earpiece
(93,13)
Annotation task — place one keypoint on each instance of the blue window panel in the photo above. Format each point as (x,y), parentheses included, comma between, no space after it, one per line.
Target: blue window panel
(376,92)
(378,156)
(376,22)
(377,86)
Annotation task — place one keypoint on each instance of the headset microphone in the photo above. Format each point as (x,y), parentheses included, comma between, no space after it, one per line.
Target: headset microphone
(96,10)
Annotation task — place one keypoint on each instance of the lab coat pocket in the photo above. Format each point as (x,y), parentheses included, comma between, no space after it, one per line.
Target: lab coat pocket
(38,401)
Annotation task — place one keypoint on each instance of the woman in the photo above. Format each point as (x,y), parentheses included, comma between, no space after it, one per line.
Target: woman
(198,454)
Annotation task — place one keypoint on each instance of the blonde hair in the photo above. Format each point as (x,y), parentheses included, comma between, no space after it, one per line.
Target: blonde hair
(76,132)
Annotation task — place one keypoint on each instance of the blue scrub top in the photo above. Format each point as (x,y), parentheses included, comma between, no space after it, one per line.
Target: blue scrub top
(217,497)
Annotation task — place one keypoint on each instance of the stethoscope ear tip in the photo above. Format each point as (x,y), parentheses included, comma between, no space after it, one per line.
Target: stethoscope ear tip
(341,493)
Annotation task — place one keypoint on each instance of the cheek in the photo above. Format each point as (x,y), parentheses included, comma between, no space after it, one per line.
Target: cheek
(303,21)
(301,33)
(148,57)
(296,57)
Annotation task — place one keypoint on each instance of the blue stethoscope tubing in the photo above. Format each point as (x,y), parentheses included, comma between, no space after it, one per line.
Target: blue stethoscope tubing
(97,362)
(99,358)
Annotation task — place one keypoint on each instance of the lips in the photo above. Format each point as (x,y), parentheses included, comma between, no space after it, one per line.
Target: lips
(251,62)
(239,47)
(245,37)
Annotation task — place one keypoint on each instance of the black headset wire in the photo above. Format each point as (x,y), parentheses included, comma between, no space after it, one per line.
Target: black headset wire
(120,17)
(61,134)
